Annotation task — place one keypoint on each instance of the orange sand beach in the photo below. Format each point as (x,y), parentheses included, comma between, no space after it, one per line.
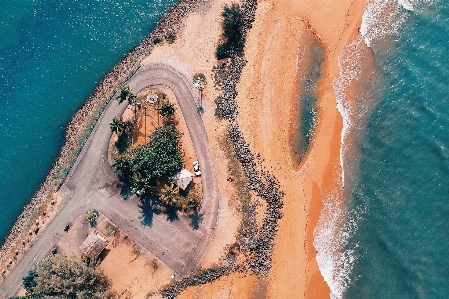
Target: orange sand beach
(267,91)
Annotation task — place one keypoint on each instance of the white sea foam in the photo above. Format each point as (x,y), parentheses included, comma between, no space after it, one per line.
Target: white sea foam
(336,225)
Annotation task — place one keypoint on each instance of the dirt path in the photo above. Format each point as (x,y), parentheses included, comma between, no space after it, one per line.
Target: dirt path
(91,185)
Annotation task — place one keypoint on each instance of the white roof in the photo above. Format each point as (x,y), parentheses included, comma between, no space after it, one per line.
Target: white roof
(93,245)
(152,98)
(182,178)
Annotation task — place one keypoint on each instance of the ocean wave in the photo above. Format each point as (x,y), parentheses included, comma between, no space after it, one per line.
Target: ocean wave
(338,223)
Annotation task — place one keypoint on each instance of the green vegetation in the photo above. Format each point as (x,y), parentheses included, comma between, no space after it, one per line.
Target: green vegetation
(92,215)
(170,37)
(144,165)
(170,196)
(60,277)
(167,109)
(199,78)
(126,95)
(191,203)
(124,130)
(119,126)
(232,31)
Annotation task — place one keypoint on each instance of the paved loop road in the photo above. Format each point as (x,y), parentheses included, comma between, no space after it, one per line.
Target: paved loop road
(88,186)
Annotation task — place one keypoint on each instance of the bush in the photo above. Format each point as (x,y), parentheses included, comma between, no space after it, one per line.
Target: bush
(170,196)
(232,32)
(222,51)
(191,203)
(144,165)
(60,277)
(170,37)
(232,23)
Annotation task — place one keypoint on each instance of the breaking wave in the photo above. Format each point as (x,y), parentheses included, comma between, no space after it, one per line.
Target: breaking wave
(338,221)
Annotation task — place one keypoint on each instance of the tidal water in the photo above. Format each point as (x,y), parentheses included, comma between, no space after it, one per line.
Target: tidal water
(394,239)
(53,53)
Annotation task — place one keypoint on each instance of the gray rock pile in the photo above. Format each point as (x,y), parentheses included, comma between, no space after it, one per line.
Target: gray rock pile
(254,242)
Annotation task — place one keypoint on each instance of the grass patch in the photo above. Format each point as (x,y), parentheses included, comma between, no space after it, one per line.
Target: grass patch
(237,177)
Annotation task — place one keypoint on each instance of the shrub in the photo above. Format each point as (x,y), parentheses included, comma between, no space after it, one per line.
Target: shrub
(232,32)
(60,277)
(222,51)
(191,203)
(170,37)
(144,165)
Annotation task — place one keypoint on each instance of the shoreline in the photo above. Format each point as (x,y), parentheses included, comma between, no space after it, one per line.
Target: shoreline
(274,42)
(332,174)
(79,123)
(316,174)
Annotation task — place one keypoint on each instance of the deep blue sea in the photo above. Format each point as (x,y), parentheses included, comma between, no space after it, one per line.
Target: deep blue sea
(403,181)
(53,53)
(391,240)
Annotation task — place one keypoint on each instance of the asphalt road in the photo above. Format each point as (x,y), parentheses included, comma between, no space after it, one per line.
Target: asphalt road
(91,182)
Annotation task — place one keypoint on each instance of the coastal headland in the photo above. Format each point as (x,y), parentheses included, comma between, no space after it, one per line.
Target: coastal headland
(262,91)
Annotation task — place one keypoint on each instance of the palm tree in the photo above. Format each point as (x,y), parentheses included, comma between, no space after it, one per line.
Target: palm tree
(117,125)
(170,195)
(124,94)
(167,109)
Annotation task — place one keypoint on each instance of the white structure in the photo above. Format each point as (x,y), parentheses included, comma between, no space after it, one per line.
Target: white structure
(182,179)
(152,98)
(93,245)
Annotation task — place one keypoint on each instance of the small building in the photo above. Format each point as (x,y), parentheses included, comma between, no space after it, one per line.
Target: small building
(182,179)
(93,245)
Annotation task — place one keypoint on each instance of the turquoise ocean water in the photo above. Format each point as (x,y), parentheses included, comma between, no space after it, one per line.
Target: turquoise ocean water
(53,53)
(393,237)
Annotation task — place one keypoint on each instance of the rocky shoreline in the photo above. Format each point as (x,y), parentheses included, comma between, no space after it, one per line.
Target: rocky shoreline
(88,114)
(254,242)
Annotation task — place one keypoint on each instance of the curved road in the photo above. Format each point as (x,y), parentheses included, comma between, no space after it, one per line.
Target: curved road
(91,181)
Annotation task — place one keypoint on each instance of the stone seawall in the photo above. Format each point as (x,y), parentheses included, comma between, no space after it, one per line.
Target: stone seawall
(75,133)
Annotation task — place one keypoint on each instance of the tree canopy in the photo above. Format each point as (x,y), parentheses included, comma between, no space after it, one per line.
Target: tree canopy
(232,23)
(232,31)
(119,126)
(167,109)
(144,165)
(61,277)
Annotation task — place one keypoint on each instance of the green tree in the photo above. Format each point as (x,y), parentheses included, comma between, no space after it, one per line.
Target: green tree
(61,277)
(119,126)
(232,23)
(191,203)
(167,109)
(123,94)
(170,195)
(143,166)
(232,31)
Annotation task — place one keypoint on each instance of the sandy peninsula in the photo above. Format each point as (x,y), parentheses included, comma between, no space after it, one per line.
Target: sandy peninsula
(277,49)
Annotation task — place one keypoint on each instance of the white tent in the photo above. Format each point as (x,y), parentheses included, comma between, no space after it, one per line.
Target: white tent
(182,178)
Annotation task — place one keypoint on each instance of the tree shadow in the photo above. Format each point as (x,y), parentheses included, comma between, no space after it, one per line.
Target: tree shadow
(93,223)
(172,214)
(123,142)
(196,219)
(167,121)
(186,191)
(147,210)
(125,189)
(103,255)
